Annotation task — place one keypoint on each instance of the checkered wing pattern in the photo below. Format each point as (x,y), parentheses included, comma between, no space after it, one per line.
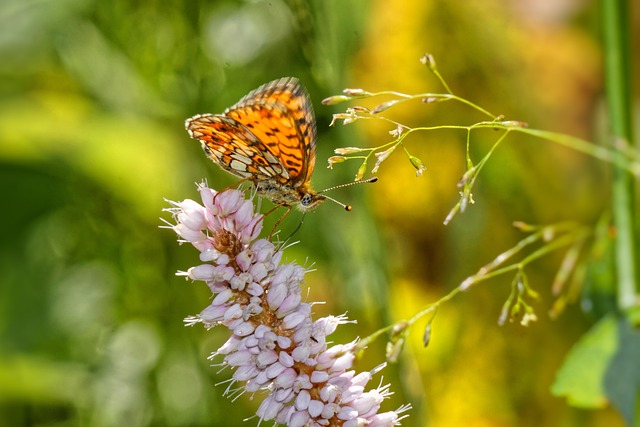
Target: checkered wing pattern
(269,134)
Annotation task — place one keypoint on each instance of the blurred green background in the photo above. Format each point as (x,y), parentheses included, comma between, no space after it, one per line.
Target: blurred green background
(93,97)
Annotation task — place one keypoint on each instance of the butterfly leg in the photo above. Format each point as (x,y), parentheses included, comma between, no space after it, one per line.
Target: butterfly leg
(231,187)
(277,223)
(296,230)
(238,183)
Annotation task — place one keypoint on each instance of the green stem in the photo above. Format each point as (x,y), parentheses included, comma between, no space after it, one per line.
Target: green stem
(571,142)
(615,24)
(474,106)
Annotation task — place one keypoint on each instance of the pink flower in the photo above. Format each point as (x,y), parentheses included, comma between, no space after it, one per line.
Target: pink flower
(275,345)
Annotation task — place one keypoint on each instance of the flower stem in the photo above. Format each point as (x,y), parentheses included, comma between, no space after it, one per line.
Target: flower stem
(618,90)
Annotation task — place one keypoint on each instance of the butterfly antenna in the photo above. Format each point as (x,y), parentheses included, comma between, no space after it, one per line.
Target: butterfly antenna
(349,184)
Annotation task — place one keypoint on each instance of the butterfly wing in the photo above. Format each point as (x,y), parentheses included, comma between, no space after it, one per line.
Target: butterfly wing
(280,115)
(234,147)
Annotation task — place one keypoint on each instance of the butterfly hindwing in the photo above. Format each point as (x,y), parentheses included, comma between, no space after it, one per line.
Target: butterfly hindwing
(234,147)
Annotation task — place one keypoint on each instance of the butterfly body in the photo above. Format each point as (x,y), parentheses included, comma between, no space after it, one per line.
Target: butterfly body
(268,137)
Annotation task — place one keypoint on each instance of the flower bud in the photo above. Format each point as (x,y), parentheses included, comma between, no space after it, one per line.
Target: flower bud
(335,159)
(361,170)
(429,61)
(417,163)
(332,100)
(434,99)
(396,132)
(348,150)
(382,156)
(358,109)
(385,106)
(347,117)
(426,337)
(515,124)
(355,92)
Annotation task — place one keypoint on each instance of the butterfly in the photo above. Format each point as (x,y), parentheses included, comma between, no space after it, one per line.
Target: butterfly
(269,138)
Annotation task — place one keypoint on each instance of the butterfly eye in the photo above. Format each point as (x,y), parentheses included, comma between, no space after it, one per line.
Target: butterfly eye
(306,200)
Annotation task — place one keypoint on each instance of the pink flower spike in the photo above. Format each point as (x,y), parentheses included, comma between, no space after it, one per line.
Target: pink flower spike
(274,345)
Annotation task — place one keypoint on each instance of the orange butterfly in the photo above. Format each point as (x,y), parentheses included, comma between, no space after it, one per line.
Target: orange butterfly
(268,137)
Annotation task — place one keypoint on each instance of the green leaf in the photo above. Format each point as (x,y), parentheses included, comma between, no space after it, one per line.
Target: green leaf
(580,378)
(622,378)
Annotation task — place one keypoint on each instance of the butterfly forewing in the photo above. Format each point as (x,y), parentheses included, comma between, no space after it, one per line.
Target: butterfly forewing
(280,114)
